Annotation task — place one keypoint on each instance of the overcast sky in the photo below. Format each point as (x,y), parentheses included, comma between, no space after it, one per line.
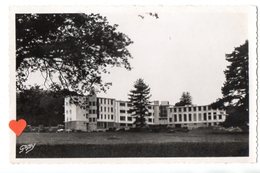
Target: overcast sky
(183,50)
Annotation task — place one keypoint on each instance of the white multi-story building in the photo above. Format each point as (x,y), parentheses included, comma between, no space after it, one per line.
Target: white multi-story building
(76,117)
(106,113)
(103,113)
(194,116)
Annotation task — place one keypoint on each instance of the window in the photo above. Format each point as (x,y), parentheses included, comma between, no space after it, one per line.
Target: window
(149,114)
(89,103)
(112,110)
(104,101)
(97,116)
(185,117)
(194,117)
(189,108)
(94,103)
(112,117)
(209,108)
(90,120)
(179,109)
(129,118)
(184,109)
(108,116)
(180,117)
(170,120)
(94,119)
(105,116)
(199,108)
(122,111)
(200,117)
(128,111)
(205,116)
(149,107)
(90,111)
(220,117)
(129,105)
(171,110)
(149,120)
(209,113)
(214,117)
(194,109)
(101,108)
(209,117)
(122,118)
(100,100)
(204,108)
(189,117)
(101,116)
(94,111)
(122,104)
(111,102)
(174,109)
(175,117)
(105,109)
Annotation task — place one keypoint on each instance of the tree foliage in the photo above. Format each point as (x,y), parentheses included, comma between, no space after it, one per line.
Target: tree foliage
(139,99)
(71,51)
(235,90)
(185,99)
(41,107)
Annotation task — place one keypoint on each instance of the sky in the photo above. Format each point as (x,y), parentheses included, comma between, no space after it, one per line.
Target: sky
(181,51)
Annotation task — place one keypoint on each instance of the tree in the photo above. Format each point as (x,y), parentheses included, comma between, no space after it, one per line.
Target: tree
(71,51)
(235,90)
(185,99)
(40,107)
(139,99)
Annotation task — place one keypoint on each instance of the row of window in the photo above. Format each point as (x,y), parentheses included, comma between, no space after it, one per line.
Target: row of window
(185,117)
(106,101)
(92,103)
(109,117)
(69,119)
(92,111)
(106,109)
(123,118)
(92,120)
(124,104)
(68,111)
(129,112)
(185,109)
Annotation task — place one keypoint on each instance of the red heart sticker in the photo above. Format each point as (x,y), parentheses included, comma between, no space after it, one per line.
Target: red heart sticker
(17,126)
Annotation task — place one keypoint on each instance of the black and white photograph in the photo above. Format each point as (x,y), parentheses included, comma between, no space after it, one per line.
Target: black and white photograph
(133,82)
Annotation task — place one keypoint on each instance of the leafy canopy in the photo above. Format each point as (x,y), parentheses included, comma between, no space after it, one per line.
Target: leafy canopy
(71,51)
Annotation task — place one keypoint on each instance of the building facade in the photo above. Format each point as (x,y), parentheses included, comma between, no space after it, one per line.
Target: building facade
(195,116)
(96,113)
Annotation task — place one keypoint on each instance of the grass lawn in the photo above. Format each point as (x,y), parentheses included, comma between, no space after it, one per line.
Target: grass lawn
(195,143)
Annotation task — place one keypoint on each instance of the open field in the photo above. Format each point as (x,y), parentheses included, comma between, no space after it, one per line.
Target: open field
(129,144)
